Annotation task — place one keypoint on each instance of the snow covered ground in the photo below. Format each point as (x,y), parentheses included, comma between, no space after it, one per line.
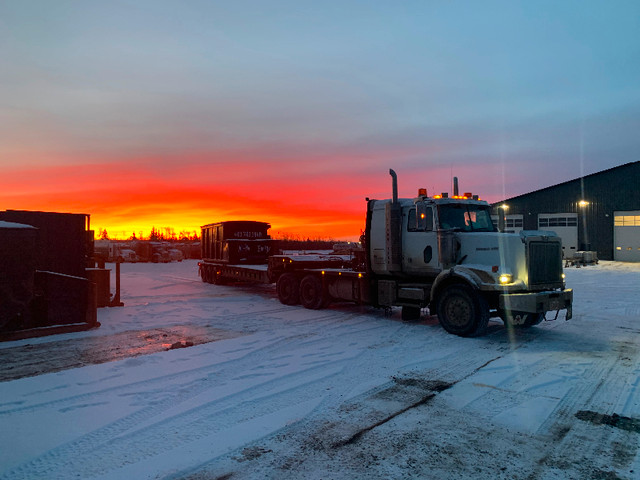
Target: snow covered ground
(271,391)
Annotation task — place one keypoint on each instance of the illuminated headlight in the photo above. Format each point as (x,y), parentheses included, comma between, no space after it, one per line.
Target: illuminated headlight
(563,276)
(504,278)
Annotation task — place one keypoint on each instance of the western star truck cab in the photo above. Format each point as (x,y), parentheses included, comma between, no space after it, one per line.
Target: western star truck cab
(445,253)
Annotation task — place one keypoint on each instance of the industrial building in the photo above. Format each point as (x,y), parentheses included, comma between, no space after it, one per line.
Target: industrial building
(598,212)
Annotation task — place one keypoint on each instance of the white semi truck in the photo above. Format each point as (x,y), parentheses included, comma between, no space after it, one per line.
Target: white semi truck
(441,252)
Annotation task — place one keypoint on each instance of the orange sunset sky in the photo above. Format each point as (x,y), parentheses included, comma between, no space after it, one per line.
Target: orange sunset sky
(179,114)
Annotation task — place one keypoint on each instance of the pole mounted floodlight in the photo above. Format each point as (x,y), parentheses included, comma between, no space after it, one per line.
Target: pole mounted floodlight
(585,236)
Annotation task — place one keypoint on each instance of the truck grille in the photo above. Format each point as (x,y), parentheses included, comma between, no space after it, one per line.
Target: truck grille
(545,263)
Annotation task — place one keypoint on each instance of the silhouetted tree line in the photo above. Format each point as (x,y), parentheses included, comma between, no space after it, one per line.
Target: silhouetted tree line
(288,241)
(164,234)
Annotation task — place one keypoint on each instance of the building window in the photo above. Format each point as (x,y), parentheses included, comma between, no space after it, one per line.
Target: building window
(514,222)
(626,220)
(558,222)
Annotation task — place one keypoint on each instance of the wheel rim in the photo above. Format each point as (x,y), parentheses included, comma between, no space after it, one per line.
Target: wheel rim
(311,293)
(288,289)
(458,311)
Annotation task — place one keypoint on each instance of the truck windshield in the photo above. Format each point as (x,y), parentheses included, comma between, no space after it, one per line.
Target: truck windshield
(465,217)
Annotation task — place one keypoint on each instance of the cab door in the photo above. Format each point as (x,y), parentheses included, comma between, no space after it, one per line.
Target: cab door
(419,241)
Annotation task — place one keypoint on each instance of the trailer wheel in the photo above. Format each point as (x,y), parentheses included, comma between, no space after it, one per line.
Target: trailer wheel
(312,294)
(288,289)
(462,311)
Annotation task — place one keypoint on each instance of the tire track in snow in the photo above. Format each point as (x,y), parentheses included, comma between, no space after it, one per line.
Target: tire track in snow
(619,445)
(96,439)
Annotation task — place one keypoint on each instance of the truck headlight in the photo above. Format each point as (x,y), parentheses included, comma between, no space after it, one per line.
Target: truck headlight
(505,278)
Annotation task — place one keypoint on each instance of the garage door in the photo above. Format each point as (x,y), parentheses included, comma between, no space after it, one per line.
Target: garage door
(566,227)
(626,236)
(513,223)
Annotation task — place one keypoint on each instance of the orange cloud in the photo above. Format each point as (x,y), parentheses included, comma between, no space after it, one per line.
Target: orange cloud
(318,195)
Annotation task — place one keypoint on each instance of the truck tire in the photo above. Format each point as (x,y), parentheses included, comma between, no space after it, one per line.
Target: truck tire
(411,313)
(288,289)
(462,311)
(312,294)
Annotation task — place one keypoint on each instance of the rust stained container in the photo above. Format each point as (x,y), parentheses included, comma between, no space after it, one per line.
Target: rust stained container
(63,243)
(237,242)
(17,269)
(102,279)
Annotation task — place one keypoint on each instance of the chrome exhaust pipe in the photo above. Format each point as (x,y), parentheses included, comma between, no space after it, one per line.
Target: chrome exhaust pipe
(394,185)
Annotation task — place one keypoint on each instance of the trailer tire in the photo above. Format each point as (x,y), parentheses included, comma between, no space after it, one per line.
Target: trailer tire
(312,293)
(462,311)
(288,289)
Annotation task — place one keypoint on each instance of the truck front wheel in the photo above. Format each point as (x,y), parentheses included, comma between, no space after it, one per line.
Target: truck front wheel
(312,294)
(288,289)
(462,311)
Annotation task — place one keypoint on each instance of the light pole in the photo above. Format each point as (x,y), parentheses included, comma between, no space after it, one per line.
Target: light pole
(502,217)
(585,238)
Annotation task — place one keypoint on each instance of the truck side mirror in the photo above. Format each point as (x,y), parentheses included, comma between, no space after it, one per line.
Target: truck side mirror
(424,217)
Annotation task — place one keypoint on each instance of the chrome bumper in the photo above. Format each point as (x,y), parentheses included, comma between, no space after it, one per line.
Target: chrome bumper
(538,302)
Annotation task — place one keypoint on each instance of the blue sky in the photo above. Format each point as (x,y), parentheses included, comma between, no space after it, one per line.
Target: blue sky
(509,96)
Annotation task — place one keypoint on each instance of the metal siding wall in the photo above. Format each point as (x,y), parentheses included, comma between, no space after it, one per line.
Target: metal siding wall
(614,189)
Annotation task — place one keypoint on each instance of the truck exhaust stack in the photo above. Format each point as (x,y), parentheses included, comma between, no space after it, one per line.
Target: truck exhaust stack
(394,185)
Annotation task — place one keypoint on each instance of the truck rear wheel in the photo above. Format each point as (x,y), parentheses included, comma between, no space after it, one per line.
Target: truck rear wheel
(312,294)
(288,289)
(462,311)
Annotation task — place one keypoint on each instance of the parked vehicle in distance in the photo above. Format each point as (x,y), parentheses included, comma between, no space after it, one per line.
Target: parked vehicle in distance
(175,255)
(127,255)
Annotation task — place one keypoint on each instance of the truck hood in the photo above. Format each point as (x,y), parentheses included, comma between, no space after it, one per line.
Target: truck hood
(493,249)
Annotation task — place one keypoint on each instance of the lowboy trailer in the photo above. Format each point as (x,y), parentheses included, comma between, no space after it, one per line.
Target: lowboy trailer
(439,252)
